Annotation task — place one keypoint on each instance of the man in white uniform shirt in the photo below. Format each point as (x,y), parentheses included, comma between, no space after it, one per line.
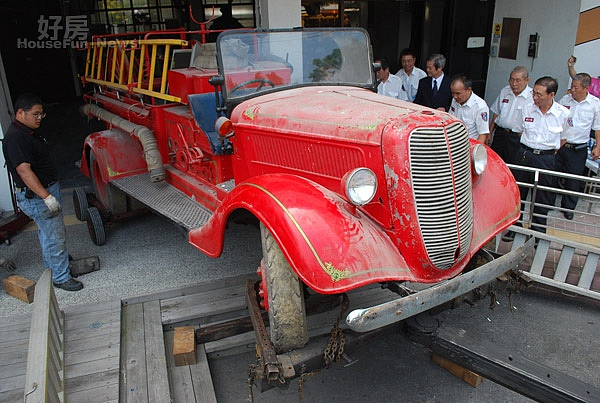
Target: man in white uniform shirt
(543,125)
(409,74)
(469,108)
(585,114)
(389,84)
(505,111)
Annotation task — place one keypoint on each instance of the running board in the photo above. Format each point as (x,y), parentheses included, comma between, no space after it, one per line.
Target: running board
(165,199)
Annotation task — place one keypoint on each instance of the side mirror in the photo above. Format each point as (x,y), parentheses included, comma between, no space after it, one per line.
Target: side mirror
(216,81)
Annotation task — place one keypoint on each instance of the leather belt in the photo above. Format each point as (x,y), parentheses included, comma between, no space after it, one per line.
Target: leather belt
(502,129)
(536,151)
(24,188)
(575,146)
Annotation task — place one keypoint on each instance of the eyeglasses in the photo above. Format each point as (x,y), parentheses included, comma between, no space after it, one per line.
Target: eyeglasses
(37,115)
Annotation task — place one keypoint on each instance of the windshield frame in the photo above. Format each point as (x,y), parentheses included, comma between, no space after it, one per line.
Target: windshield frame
(366,71)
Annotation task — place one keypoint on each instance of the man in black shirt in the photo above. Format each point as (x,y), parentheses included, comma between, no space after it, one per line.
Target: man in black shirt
(36,186)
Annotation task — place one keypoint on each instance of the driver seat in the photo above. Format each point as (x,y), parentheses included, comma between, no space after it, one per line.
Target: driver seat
(204,110)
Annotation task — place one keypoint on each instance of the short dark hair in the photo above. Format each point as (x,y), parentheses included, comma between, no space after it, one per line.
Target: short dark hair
(27,101)
(550,83)
(467,82)
(385,64)
(407,52)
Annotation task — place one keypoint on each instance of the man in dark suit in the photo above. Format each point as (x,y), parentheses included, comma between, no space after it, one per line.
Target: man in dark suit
(434,90)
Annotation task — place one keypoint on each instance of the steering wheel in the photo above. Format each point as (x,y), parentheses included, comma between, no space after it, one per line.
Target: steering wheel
(262,82)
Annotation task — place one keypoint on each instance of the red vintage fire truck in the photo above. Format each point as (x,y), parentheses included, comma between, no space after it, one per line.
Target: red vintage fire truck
(349,187)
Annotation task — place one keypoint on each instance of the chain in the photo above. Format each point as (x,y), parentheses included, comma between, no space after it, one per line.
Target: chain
(250,380)
(493,299)
(301,381)
(334,349)
(335,346)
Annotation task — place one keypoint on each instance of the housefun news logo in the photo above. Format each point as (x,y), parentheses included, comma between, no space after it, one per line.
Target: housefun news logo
(54,33)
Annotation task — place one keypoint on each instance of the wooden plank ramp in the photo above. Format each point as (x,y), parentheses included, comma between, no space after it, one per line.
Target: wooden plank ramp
(92,341)
(14,341)
(223,305)
(91,355)
(143,361)
(122,351)
(148,372)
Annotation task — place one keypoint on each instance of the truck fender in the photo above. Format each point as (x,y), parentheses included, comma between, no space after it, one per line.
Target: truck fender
(118,154)
(496,201)
(332,246)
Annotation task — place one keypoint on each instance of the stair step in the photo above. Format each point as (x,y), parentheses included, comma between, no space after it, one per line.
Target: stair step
(165,200)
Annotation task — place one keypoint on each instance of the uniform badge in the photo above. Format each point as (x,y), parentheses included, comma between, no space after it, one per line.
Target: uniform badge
(505,101)
(452,108)
(570,121)
(529,119)
(484,116)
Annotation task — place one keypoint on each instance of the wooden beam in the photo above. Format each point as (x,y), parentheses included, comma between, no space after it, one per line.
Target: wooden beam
(184,346)
(461,373)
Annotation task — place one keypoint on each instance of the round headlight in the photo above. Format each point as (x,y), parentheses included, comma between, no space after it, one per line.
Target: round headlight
(360,186)
(479,157)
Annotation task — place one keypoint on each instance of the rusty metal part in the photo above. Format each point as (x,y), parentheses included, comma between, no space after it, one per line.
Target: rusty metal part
(362,320)
(335,347)
(269,368)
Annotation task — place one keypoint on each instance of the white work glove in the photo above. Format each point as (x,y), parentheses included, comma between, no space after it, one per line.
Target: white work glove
(53,205)
(9,265)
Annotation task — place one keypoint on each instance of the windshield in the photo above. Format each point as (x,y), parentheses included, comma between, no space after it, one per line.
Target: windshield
(254,62)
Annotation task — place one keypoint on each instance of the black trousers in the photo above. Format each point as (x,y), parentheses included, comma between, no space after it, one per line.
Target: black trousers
(571,159)
(542,161)
(506,144)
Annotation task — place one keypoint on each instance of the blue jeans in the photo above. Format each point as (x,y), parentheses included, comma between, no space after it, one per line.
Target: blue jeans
(51,232)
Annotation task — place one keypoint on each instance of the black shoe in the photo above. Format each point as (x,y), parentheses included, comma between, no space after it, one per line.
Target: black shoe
(509,236)
(71,285)
(568,215)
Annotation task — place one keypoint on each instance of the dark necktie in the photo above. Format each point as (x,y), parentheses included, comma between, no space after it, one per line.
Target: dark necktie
(435,88)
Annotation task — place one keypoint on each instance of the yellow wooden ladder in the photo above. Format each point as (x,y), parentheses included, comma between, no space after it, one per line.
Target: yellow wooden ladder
(132,65)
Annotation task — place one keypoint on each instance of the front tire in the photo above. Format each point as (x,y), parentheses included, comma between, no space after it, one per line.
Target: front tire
(287,314)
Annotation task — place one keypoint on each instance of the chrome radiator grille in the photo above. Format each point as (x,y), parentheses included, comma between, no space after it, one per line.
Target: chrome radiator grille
(441,179)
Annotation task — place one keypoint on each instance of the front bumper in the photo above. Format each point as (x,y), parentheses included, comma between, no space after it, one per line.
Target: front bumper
(366,319)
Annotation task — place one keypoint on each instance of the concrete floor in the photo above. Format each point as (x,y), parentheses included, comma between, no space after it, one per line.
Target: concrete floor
(140,256)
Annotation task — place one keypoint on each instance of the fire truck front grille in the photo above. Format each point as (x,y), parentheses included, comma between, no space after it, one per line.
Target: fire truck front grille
(441,178)
(299,155)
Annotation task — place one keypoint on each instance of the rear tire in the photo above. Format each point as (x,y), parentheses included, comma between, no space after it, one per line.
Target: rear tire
(287,314)
(113,199)
(80,203)
(95,226)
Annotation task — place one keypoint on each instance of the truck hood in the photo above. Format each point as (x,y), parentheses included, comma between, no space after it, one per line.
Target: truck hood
(335,112)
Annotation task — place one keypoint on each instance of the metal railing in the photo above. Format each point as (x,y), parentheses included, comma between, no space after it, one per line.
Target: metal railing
(586,210)
(44,379)
(567,255)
